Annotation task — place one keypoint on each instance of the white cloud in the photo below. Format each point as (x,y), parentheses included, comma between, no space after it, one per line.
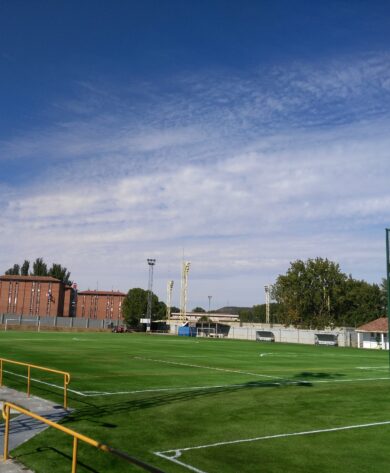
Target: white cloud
(232,171)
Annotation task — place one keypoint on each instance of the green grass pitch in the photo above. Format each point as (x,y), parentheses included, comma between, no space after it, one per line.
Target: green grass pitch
(208,406)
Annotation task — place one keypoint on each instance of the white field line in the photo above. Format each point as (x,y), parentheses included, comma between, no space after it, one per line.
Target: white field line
(214,368)
(44,382)
(196,388)
(178,462)
(178,451)
(287,355)
(376,368)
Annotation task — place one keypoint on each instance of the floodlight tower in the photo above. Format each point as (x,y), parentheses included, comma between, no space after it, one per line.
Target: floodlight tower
(267,300)
(169,298)
(151,263)
(209,302)
(184,287)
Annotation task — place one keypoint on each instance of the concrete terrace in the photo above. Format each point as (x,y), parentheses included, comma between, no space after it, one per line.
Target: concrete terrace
(23,428)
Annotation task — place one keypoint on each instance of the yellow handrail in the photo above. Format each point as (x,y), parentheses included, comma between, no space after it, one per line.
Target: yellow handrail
(42,368)
(7,406)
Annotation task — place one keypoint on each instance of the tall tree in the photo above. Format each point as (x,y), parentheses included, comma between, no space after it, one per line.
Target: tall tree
(309,294)
(14,270)
(361,303)
(135,305)
(60,272)
(39,268)
(25,268)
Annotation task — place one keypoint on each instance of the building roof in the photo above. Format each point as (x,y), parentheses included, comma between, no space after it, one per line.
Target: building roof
(101,293)
(13,277)
(378,325)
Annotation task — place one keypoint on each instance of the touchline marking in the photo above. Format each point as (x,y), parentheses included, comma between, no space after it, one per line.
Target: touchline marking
(198,388)
(207,367)
(178,451)
(44,382)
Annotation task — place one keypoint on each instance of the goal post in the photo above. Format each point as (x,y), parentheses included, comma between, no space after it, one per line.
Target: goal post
(205,331)
(20,322)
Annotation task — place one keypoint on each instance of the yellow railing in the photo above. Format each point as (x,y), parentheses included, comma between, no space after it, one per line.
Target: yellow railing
(7,406)
(42,368)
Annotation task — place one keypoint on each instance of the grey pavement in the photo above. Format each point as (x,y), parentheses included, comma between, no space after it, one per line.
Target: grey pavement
(23,428)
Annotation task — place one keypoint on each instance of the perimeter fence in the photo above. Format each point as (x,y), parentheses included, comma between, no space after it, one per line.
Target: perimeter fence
(10,320)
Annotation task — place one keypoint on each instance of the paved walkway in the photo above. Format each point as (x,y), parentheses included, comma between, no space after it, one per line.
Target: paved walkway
(23,428)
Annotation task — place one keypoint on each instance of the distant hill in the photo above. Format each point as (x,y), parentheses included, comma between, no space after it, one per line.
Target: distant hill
(231,310)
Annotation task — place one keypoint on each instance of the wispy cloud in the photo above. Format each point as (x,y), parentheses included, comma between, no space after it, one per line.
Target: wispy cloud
(244,173)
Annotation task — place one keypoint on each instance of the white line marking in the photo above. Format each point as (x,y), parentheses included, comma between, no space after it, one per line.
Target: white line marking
(378,368)
(207,367)
(178,462)
(224,386)
(196,388)
(44,382)
(178,451)
(280,354)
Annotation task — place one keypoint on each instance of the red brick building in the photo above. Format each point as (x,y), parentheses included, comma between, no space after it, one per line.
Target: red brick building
(100,305)
(34,295)
(47,296)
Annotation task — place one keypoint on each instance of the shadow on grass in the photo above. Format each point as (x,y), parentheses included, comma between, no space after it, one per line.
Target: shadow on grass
(56,451)
(320,375)
(93,410)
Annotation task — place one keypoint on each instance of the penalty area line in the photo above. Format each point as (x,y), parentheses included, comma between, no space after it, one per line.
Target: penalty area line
(252,385)
(214,368)
(178,451)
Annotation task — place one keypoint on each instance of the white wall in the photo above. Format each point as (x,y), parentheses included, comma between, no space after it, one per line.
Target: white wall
(346,336)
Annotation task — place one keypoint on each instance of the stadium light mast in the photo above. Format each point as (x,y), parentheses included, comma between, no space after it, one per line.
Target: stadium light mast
(151,263)
(388,287)
(184,289)
(210,297)
(169,298)
(267,289)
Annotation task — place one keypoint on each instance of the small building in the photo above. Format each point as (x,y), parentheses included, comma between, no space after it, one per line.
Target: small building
(102,305)
(374,334)
(214,317)
(33,295)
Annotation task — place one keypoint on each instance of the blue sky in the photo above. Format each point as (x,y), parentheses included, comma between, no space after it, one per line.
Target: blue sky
(246,134)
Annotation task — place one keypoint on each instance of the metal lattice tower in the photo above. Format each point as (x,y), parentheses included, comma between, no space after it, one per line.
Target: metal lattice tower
(169,298)
(267,304)
(184,287)
(151,263)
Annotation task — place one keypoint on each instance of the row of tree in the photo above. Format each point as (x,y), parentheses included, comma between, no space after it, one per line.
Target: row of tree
(40,268)
(317,294)
(312,294)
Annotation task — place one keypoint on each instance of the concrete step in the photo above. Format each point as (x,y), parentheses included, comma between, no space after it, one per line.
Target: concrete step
(22,427)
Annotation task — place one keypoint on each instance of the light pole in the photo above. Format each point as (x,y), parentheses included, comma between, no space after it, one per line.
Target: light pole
(209,302)
(151,263)
(184,286)
(169,299)
(267,300)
